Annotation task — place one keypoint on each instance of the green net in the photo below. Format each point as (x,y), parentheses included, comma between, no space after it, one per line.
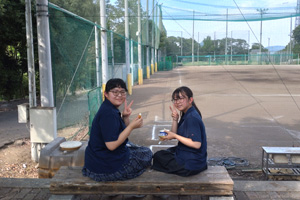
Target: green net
(245,59)
(94,102)
(225,10)
(166,63)
(72,41)
(76,76)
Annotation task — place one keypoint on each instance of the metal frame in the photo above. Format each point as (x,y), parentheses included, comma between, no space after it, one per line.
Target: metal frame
(269,163)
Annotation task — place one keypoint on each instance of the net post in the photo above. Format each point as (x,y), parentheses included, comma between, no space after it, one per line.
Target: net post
(129,81)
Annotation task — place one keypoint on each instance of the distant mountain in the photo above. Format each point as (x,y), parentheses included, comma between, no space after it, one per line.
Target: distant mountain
(275,48)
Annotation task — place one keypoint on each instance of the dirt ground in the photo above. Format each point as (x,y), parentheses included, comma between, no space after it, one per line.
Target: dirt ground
(15,161)
(15,157)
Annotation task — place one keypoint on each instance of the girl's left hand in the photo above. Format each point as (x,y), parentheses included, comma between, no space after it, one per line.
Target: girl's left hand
(170,135)
(127,109)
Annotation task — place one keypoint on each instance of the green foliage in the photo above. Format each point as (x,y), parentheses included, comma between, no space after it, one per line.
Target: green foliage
(13,51)
(206,47)
(296,49)
(257,45)
(296,34)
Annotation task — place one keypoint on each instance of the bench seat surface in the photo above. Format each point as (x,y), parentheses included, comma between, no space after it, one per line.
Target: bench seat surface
(213,181)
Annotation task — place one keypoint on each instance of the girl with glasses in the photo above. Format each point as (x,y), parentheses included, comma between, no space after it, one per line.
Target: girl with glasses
(189,157)
(109,155)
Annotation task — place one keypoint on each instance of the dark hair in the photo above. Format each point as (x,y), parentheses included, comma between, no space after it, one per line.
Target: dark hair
(185,91)
(115,82)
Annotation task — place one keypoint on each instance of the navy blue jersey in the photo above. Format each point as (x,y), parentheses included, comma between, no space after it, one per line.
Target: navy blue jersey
(192,126)
(106,127)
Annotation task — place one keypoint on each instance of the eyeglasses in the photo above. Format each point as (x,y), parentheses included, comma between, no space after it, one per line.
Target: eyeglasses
(117,92)
(180,99)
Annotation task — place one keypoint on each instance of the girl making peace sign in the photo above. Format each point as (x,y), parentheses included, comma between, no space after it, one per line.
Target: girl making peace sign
(190,155)
(109,155)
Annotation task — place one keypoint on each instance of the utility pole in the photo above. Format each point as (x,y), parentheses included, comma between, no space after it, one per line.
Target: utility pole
(193,39)
(198,48)
(104,55)
(231,48)
(181,44)
(262,11)
(226,37)
(47,112)
(291,34)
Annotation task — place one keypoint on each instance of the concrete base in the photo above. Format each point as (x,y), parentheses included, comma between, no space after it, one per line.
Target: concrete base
(52,158)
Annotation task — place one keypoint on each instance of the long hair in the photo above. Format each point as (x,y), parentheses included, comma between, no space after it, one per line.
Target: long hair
(185,91)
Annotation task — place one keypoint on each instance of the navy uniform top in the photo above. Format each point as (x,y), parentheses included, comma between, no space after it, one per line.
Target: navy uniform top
(106,127)
(192,126)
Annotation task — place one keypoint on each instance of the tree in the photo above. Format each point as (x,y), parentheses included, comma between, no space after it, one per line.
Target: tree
(257,45)
(173,46)
(13,51)
(208,46)
(296,34)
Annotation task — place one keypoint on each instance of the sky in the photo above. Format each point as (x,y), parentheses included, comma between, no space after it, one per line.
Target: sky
(274,32)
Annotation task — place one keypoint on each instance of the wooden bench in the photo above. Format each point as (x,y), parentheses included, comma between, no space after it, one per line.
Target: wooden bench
(215,181)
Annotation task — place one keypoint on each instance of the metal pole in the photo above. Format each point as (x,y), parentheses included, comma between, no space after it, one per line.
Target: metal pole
(112,51)
(291,56)
(97,57)
(269,58)
(226,36)
(30,55)
(193,39)
(127,53)
(260,35)
(127,37)
(214,46)
(231,48)
(140,71)
(156,39)
(104,55)
(248,43)
(262,11)
(147,41)
(181,44)
(198,48)
(152,32)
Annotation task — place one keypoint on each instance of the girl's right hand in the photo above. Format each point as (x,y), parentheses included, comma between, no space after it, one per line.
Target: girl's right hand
(174,113)
(136,123)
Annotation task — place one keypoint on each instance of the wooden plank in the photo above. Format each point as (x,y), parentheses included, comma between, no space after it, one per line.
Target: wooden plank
(214,181)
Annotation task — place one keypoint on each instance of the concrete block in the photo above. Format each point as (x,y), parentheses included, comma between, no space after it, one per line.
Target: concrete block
(53,157)
(44,161)
(78,159)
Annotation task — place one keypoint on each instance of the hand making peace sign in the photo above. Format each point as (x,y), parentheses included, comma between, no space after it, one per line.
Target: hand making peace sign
(174,114)
(127,109)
